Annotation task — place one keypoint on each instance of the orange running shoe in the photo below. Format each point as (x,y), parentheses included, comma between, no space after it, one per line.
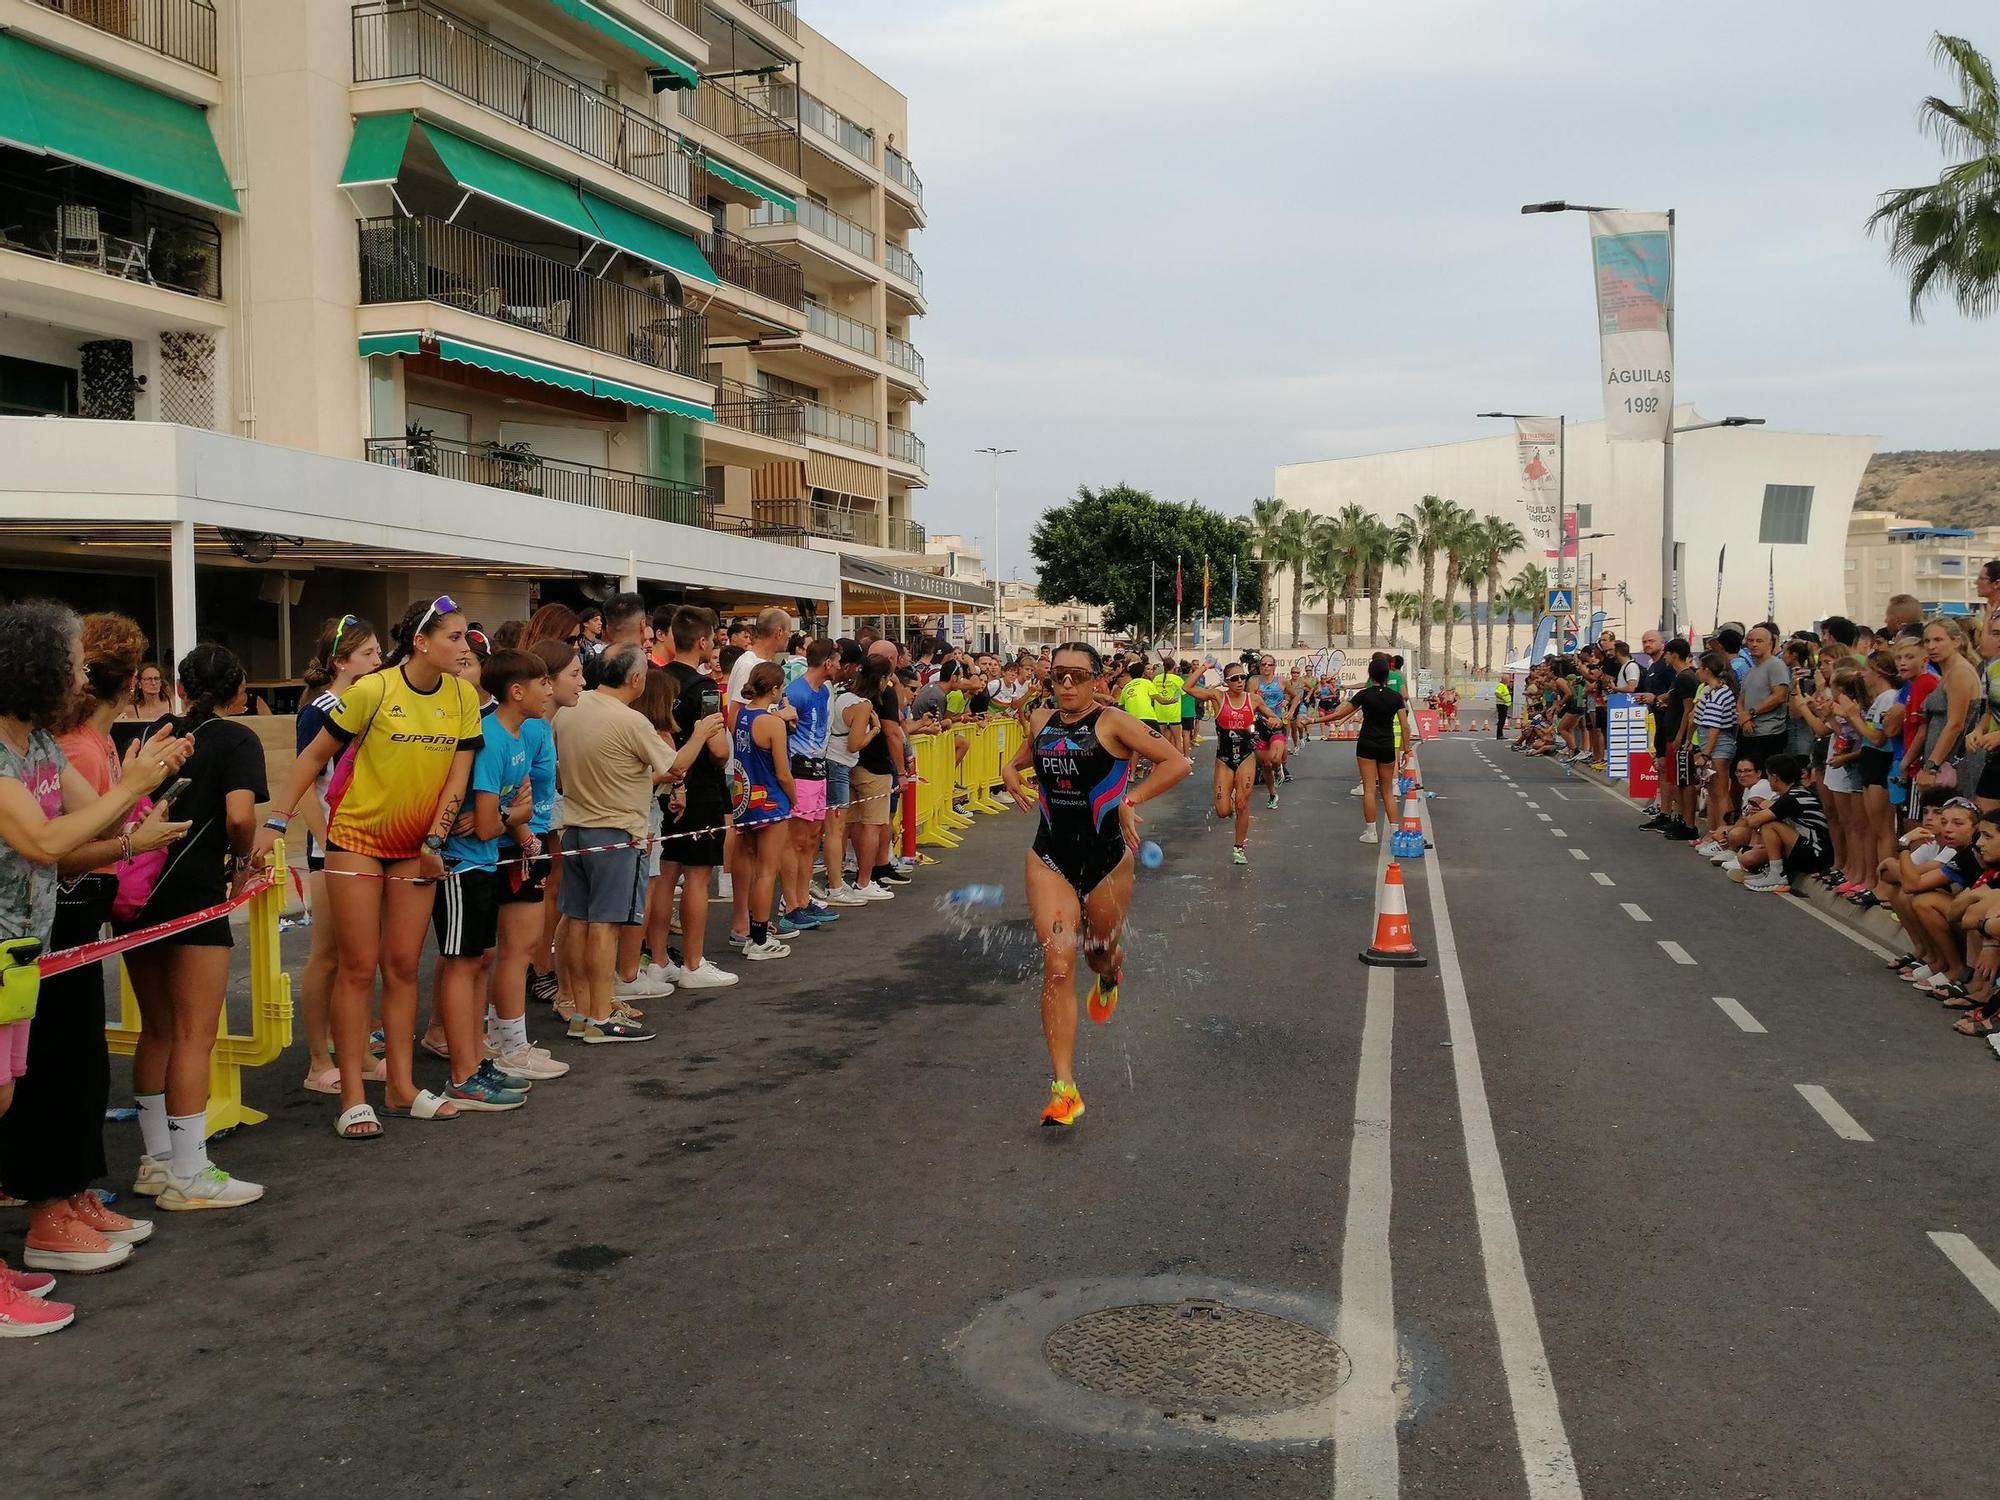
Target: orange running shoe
(1104,997)
(1065,1105)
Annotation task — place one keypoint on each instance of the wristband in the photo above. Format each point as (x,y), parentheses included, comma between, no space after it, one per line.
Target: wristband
(277,824)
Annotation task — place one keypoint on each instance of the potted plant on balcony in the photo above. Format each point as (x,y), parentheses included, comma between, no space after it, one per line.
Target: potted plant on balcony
(183,260)
(515,467)
(420,447)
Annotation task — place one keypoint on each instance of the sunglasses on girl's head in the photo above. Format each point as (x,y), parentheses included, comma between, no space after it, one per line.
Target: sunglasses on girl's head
(341,630)
(444,604)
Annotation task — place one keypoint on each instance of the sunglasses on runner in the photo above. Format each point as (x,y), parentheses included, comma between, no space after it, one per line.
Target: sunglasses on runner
(1070,676)
(1235,677)
(444,604)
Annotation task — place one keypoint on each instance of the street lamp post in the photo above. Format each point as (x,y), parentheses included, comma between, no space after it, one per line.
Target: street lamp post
(1668,560)
(997,454)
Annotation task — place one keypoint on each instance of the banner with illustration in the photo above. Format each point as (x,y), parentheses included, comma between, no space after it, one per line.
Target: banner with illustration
(1539,448)
(1631,255)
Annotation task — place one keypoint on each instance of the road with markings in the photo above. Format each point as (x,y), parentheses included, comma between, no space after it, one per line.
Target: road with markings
(1643,1185)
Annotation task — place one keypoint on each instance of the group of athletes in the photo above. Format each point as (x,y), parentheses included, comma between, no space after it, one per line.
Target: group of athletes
(1104,739)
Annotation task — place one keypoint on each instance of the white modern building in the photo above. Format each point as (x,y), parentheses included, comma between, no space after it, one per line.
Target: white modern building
(1778,501)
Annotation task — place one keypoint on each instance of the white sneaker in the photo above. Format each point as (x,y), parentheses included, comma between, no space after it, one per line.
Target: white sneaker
(874,892)
(768,949)
(707,977)
(211,1187)
(1708,849)
(1371,835)
(1763,880)
(725,888)
(818,891)
(1354,791)
(843,895)
(532,1062)
(642,986)
(152,1177)
(1729,865)
(1724,857)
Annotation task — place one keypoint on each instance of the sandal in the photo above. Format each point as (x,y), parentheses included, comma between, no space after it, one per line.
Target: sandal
(349,1126)
(1904,964)
(1951,995)
(325,1081)
(1978,1023)
(436,1049)
(1866,901)
(426,1106)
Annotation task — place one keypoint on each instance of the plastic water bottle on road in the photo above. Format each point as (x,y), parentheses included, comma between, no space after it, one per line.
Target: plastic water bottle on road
(977,899)
(1151,855)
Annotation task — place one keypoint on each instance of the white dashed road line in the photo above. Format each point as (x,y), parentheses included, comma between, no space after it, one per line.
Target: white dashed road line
(1534,805)
(1601,878)
(1844,1125)
(1738,1014)
(1632,910)
(1676,952)
(1543,816)
(1560,833)
(1981,1272)
(1578,854)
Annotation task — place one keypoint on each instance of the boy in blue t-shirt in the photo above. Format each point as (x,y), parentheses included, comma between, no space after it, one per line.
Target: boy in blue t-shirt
(466,913)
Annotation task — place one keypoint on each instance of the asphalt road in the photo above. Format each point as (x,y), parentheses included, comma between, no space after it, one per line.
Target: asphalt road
(1576,1230)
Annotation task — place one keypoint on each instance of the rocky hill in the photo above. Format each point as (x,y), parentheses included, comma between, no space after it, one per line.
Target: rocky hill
(1945,488)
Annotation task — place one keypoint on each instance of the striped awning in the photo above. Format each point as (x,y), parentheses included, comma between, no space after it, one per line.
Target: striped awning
(783,479)
(844,476)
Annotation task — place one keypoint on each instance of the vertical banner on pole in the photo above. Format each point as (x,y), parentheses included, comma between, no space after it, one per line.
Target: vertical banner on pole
(1632,258)
(1680,567)
(1538,446)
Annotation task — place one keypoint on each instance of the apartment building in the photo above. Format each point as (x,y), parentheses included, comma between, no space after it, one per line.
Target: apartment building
(1889,555)
(512,299)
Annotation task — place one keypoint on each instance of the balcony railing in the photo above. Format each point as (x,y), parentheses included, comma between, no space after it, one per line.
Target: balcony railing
(905,535)
(906,445)
(864,528)
(747,409)
(896,167)
(752,267)
(903,355)
(518,468)
(84,219)
(818,219)
(842,329)
(824,120)
(783,14)
(428,260)
(839,426)
(415,39)
(180,29)
(763,121)
(687,12)
(901,263)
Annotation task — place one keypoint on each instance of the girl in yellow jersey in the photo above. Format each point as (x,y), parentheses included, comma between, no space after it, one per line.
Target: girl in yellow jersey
(409,733)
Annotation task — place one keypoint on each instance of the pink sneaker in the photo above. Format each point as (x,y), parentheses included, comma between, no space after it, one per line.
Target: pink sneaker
(27,1283)
(23,1316)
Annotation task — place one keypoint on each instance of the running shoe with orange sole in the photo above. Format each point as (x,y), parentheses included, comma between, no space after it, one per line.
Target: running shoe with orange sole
(1065,1105)
(1104,997)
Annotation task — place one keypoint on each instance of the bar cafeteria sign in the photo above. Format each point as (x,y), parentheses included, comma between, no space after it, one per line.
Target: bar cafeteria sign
(1632,256)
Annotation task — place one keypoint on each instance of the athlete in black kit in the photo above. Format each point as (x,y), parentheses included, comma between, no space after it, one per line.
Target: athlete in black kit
(1080,870)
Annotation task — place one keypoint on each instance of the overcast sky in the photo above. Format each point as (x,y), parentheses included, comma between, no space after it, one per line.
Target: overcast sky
(1180,242)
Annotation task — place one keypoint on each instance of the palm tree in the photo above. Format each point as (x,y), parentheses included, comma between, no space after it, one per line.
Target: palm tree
(1350,530)
(1383,547)
(1403,605)
(1472,573)
(1461,543)
(1330,570)
(1503,539)
(1533,579)
(1428,529)
(1946,235)
(1517,601)
(1264,526)
(1295,543)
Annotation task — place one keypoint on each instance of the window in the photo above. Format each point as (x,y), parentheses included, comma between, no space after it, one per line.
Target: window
(777,385)
(1787,512)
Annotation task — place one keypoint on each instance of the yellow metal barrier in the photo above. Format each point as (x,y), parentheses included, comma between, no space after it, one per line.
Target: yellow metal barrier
(270,1013)
(933,791)
(982,766)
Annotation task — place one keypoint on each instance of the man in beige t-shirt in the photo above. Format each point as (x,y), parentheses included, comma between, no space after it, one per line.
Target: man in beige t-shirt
(610,759)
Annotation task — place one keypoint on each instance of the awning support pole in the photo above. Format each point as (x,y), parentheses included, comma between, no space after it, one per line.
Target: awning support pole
(180,587)
(903,608)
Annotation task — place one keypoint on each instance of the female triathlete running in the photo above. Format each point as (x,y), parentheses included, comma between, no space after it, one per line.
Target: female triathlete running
(1271,747)
(1080,870)
(1382,709)
(415,727)
(1238,713)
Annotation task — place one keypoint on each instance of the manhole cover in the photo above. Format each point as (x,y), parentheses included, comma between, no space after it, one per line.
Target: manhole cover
(1198,1357)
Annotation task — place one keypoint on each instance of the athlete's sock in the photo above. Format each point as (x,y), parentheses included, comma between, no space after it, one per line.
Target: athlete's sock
(760,933)
(153,1124)
(510,1036)
(189,1134)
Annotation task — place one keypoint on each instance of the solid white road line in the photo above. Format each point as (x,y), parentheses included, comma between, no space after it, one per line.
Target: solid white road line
(1843,929)
(1676,952)
(1738,1014)
(1560,792)
(1844,1125)
(1546,1459)
(1578,854)
(1601,878)
(1633,911)
(1981,1272)
(1366,1463)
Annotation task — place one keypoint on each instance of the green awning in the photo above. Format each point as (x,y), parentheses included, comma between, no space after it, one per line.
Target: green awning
(390,343)
(482,170)
(631,40)
(480,357)
(54,105)
(632,395)
(376,156)
(750,184)
(650,240)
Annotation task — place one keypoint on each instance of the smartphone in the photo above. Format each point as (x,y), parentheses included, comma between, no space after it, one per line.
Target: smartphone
(711,701)
(173,789)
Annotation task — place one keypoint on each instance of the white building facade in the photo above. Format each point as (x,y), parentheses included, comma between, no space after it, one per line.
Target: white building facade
(1778,501)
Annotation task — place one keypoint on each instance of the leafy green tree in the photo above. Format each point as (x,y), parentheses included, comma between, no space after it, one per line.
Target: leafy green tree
(1945,236)
(1403,605)
(1103,546)
(1265,528)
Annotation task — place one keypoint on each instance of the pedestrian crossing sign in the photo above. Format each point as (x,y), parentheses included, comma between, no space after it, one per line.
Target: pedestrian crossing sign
(1561,602)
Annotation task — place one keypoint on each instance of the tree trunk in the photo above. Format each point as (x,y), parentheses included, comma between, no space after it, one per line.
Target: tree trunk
(1298,600)
(1424,612)
(1490,593)
(1510,635)
(1374,598)
(1263,605)
(1472,627)
(1450,598)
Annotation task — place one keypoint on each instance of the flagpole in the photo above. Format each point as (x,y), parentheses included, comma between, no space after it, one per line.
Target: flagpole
(1229,630)
(1153,604)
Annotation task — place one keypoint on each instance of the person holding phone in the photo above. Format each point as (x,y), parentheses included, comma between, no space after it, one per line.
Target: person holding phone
(692,839)
(53,822)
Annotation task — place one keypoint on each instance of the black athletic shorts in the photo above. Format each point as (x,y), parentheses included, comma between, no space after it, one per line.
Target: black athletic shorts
(466,914)
(1874,766)
(523,882)
(695,837)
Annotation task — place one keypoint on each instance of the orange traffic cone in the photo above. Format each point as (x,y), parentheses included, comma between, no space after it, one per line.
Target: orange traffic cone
(1393,947)
(1412,816)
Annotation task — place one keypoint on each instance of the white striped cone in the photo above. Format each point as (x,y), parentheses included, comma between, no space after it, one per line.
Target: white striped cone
(1393,947)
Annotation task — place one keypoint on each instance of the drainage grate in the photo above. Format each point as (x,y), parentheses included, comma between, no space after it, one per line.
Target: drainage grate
(1197,1358)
